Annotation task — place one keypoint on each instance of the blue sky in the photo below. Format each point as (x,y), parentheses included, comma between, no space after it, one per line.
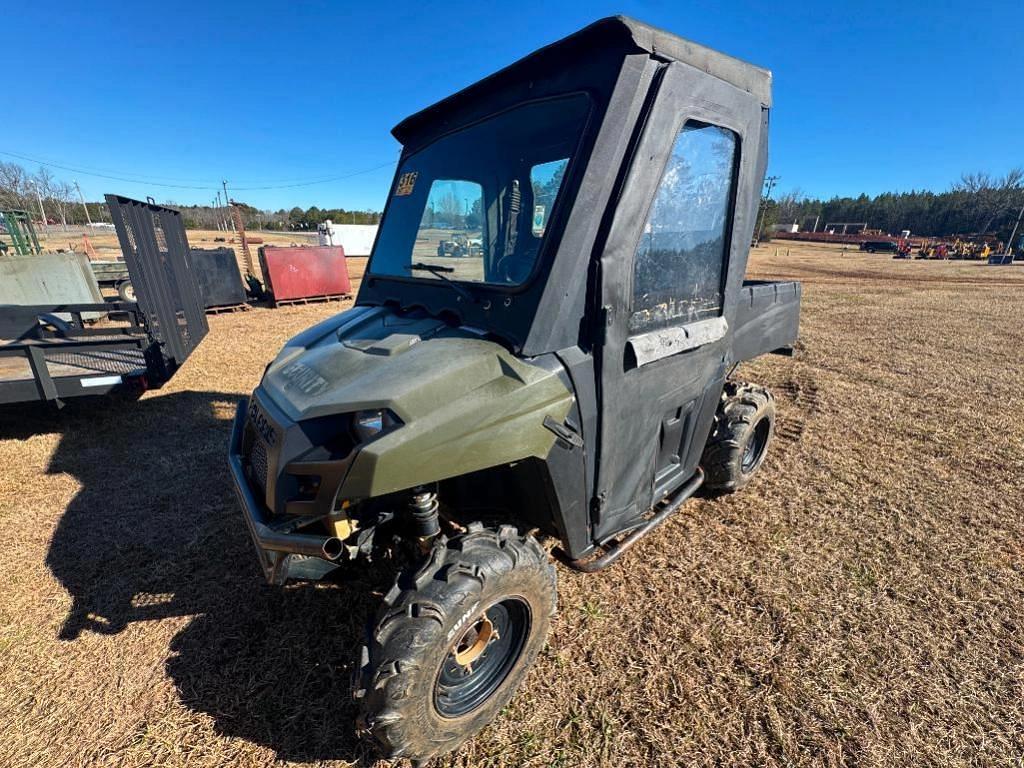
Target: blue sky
(869,97)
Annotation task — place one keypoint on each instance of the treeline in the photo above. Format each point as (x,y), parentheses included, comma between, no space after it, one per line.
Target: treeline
(62,206)
(296,219)
(977,204)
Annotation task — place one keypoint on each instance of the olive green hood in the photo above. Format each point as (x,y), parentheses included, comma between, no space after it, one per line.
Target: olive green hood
(465,402)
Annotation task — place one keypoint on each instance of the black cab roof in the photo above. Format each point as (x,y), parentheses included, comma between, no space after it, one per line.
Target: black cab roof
(611,36)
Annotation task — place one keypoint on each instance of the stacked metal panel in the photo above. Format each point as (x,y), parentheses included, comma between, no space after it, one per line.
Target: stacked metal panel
(49,278)
(307,272)
(220,280)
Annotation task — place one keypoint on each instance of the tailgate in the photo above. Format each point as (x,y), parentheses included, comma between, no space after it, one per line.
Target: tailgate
(767,318)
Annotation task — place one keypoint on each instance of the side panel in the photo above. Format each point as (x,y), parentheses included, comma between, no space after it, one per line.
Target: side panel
(767,318)
(658,388)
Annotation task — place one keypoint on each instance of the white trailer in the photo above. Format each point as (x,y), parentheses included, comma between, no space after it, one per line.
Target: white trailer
(356,239)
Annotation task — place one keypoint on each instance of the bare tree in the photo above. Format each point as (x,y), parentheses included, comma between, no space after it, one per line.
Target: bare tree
(60,197)
(449,210)
(790,206)
(992,197)
(14,187)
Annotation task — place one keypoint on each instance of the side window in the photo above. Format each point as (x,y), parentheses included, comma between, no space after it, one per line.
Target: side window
(546,180)
(451,230)
(680,261)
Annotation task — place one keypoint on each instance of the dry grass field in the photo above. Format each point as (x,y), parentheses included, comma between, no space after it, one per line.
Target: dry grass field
(859,604)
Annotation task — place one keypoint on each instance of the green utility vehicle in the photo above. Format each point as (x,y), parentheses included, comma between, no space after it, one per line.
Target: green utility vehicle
(568,384)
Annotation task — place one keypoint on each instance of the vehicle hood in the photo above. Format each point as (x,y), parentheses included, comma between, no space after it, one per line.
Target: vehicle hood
(372,357)
(465,403)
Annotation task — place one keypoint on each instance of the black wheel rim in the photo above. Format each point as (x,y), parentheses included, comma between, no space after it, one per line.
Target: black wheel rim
(482,657)
(754,451)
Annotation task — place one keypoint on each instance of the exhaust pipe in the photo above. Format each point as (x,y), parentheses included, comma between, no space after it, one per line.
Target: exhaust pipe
(326,547)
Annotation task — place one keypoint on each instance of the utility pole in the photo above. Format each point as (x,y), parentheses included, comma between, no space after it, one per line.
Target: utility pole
(770,184)
(42,213)
(81,197)
(1020,216)
(222,212)
(227,202)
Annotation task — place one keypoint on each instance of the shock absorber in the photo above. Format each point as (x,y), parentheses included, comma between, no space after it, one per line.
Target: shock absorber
(423,508)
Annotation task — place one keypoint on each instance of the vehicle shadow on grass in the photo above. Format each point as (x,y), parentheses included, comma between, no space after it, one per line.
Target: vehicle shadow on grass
(155,532)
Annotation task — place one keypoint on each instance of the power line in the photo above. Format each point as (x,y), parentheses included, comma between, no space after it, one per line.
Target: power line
(211,185)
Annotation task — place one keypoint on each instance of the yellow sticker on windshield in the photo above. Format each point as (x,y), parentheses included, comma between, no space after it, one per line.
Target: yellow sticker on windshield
(406,182)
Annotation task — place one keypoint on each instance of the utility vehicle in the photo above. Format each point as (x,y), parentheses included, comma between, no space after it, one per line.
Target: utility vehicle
(570,383)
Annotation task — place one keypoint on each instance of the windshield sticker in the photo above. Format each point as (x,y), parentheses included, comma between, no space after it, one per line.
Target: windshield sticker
(539,212)
(406,183)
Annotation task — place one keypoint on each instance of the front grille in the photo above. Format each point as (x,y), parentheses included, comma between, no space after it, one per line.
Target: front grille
(258,462)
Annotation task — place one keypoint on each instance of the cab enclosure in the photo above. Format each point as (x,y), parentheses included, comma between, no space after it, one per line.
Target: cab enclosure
(553,305)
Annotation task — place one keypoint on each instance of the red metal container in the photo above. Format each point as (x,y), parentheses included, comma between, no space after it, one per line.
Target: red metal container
(306,272)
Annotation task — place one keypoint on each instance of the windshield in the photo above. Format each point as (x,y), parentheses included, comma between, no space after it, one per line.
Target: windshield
(474,206)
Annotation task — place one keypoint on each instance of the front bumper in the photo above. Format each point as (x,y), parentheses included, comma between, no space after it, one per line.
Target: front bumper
(281,555)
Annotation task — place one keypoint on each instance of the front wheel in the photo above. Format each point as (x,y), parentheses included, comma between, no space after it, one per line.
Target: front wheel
(744,426)
(454,641)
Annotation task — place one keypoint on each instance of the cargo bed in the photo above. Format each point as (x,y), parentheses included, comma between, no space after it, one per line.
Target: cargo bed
(767,318)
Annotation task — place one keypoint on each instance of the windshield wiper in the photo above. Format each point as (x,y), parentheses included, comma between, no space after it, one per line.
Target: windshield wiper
(438,271)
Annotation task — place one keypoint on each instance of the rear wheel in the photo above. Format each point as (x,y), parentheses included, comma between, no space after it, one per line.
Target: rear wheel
(454,641)
(126,291)
(744,426)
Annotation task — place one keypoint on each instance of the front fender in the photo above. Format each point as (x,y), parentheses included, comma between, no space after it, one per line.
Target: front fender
(497,423)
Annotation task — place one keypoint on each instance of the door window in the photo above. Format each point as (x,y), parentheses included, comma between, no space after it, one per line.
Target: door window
(680,260)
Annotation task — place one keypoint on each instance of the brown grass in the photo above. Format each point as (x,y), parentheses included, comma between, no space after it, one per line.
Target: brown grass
(859,604)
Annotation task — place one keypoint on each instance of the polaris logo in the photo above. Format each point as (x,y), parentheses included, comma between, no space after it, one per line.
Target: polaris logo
(304,378)
(261,424)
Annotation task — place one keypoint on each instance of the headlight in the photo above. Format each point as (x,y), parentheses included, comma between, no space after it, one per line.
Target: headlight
(369,424)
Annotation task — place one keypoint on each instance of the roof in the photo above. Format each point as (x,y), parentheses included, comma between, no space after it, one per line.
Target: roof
(748,77)
(614,34)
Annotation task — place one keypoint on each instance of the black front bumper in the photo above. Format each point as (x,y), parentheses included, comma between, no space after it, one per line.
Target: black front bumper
(281,555)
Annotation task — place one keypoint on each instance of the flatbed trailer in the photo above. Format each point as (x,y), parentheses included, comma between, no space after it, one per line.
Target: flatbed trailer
(52,360)
(55,352)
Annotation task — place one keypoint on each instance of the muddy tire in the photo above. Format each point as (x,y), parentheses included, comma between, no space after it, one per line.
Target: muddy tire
(743,430)
(454,641)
